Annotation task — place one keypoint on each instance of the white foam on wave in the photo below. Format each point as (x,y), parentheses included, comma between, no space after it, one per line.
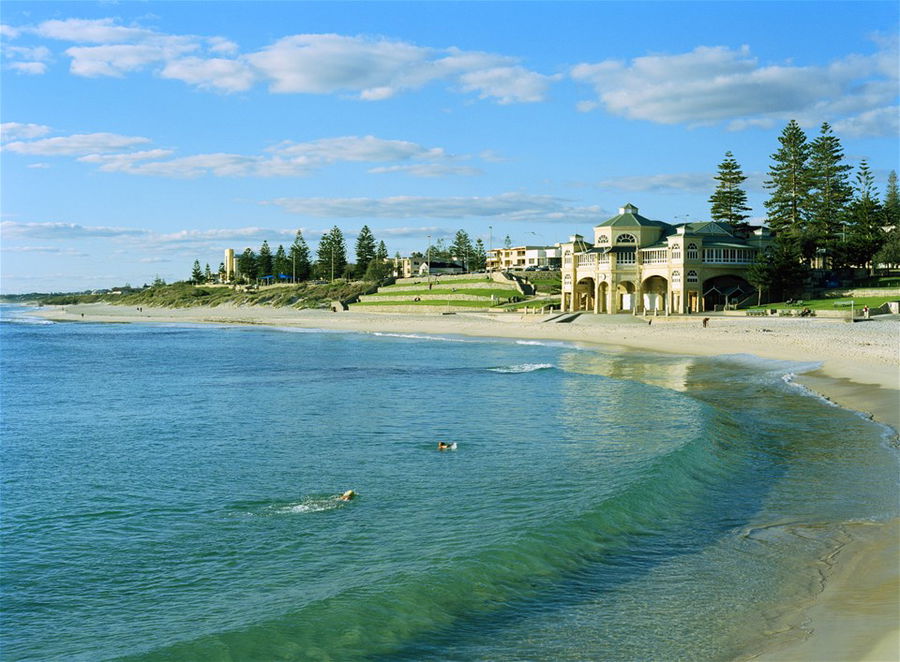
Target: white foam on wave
(548,343)
(522,367)
(36,321)
(418,336)
(309,506)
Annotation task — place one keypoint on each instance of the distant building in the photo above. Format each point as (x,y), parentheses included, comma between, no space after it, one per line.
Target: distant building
(639,265)
(521,257)
(406,267)
(436,268)
(230,265)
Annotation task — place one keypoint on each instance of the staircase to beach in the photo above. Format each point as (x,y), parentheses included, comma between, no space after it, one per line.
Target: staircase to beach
(465,292)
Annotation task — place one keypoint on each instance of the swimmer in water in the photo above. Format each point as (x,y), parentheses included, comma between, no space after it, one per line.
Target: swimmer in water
(346,496)
(443,446)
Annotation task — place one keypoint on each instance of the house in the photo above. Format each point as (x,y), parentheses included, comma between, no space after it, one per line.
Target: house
(435,268)
(521,257)
(640,265)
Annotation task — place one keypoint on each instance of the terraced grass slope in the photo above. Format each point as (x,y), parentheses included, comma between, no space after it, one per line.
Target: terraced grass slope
(474,292)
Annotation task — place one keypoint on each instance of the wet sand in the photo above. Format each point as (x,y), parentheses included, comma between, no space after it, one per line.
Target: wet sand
(854,365)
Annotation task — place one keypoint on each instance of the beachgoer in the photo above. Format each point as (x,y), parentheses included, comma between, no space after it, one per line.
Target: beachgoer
(346,496)
(443,446)
(865,312)
(705,322)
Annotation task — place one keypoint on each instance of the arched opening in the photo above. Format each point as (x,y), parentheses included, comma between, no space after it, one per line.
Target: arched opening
(584,294)
(722,292)
(625,294)
(603,297)
(655,293)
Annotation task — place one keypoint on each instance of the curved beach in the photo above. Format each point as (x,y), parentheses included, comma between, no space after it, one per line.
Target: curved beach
(853,365)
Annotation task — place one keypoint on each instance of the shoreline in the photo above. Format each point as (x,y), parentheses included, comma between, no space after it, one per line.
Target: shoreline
(855,366)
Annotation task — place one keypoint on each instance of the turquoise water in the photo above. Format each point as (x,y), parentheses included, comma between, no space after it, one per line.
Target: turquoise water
(170,493)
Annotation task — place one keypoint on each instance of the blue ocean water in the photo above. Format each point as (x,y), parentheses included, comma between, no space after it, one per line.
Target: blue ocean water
(171,493)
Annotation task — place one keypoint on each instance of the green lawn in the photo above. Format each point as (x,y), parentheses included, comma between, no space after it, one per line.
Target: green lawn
(829,304)
(474,291)
(429,302)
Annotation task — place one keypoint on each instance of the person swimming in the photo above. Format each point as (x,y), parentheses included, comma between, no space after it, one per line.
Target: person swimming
(444,446)
(348,495)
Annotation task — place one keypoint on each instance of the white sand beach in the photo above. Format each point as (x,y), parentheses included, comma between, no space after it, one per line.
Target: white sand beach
(857,614)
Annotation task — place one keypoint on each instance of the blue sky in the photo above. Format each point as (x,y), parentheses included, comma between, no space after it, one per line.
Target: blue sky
(139,136)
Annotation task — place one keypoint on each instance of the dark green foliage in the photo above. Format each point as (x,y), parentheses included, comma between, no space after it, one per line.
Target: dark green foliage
(830,189)
(365,250)
(729,201)
(479,256)
(281,265)
(863,220)
(196,273)
(247,265)
(299,255)
(207,274)
(779,272)
(891,204)
(788,204)
(332,254)
(461,249)
(264,260)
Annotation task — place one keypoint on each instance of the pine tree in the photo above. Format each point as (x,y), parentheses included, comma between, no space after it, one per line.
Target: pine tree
(247,265)
(264,260)
(196,273)
(332,254)
(299,254)
(729,201)
(461,249)
(207,275)
(281,265)
(788,204)
(864,234)
(365,250)
(891,204)
(479,255)
(381,253)
(831,190)
(507,243)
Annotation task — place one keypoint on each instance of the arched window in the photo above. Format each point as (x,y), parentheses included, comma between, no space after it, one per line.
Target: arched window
(626,239)
(602,239)
(676,276)
(692,276)
(692,252)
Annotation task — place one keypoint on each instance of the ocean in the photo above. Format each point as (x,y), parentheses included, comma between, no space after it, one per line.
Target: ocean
(170,492)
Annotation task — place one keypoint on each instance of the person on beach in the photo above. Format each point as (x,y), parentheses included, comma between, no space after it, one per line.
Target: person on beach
(348,495)
(705,322)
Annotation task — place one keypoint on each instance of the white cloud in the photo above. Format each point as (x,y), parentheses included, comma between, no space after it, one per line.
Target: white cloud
(75,145)
(715,84)
(691,182)
(286,159)
(12,229)
(30,68)
(43,249)
(428,170)
(881,122)
(27,60)
(329,63)
(213,73)
(93,31)
(17,130)
(507,84)
(369,68)
(118,59)
(507,206)
(9,31)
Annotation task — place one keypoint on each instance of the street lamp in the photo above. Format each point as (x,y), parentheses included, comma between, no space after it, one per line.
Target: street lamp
(428,260)
(491,240)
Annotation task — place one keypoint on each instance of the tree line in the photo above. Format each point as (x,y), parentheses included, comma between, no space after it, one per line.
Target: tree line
(297,264)
(817,210)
